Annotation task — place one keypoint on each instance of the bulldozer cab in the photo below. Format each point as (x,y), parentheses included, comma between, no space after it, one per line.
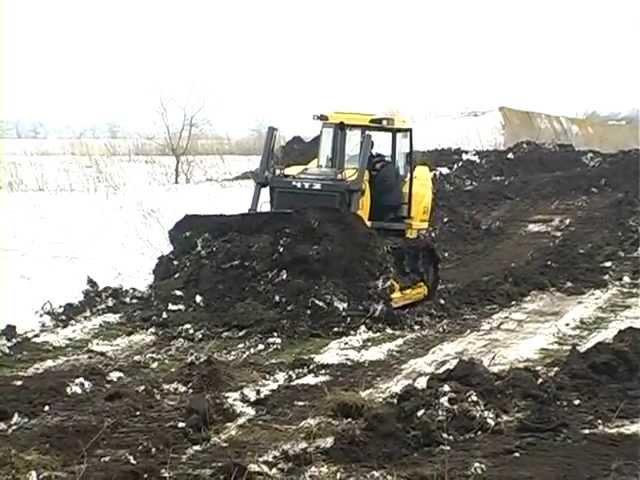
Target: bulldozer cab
(353,148)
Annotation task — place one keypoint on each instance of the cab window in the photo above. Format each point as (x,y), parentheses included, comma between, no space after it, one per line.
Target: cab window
(382,142)
(403,147)
(325,154)
(353,142)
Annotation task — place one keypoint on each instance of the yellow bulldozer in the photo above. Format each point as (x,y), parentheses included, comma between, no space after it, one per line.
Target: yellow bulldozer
(364,165)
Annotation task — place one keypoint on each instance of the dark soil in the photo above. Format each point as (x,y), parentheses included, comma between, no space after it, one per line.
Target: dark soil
(484,208)
(314,270)
(134,415)
(297,151)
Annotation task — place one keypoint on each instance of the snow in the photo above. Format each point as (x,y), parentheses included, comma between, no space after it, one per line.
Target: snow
(311,379)
(51,363)
(175,307)
(626,318)
(620,427)
(60,337)
(287,450)
(175,387)
(79,386)
(240,399)
(543,323)
(56,239)
(120,344)
(353,349)
(93,173)
(114,376)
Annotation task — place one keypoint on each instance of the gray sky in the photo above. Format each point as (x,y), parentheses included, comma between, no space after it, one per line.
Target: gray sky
(280,61)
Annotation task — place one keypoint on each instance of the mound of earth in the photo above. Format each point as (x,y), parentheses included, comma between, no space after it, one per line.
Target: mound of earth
(275,272)
(297,151)
(617,361)
(532,218)
(606,376)
(457,405)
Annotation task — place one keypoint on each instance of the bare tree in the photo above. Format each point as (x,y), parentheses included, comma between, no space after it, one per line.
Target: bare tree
(114,130)
(5,129)
(37,130)
(19,129)
(178,136)
(187,166)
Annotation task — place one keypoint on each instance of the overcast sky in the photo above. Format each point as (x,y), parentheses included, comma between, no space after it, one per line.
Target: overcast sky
(280,61)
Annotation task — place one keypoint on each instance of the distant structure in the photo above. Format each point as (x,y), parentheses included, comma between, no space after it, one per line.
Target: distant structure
(501,128)
(583,133)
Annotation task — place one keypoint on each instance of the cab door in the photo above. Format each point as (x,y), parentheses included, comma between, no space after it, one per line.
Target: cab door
(402,147)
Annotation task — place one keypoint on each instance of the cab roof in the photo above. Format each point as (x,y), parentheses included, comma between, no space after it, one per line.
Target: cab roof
(364,119)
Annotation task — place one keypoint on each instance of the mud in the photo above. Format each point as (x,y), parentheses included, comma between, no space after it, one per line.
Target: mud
(98,301)
(124,428)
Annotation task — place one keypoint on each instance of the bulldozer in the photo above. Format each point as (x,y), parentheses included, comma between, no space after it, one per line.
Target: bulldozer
(351,150)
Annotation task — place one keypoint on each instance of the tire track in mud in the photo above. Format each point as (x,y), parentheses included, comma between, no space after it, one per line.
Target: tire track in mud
(541,328)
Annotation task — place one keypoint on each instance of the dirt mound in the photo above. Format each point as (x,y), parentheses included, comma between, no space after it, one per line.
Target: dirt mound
(617,361)
(532,218)
(297,151)
(98,301)
(457,405)
(606,376)
(272,272)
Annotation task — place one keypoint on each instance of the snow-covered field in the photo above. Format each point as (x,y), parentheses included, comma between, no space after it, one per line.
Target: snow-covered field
(95,173)
(52,238)
(470,131)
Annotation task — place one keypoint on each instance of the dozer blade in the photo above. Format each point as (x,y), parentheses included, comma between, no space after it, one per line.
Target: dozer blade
(402,297)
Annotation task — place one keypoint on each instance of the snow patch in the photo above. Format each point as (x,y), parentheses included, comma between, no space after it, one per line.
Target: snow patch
(175,387)
(51,363)
(311,379)
(79,386)
(623,427)
(81,329)
(129,342)
(114,376)
(627,318)
(542,323)
(352,349)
